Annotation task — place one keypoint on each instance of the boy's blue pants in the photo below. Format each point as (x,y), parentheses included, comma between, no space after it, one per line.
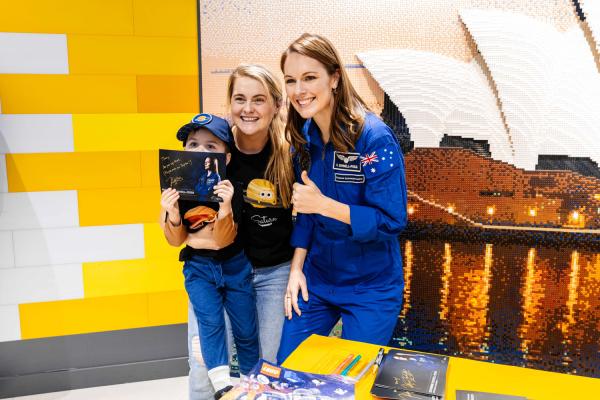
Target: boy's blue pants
(212,285)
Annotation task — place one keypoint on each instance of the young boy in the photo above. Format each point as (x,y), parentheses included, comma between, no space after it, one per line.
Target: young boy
(216,270)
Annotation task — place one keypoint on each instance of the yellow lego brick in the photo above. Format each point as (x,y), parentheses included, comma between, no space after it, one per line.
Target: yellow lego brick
(162,94)
(65,171)
(132,55)
(127,132)
(118,206)
(177,18)
(113,278)
(149,165)
(110,17)
(167,308)
(71,317)
(67,94)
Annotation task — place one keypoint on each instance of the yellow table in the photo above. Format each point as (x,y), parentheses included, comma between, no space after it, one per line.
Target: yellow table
(319,354)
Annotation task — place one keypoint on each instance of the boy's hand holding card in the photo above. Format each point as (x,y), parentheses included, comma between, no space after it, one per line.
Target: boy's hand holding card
(224,190)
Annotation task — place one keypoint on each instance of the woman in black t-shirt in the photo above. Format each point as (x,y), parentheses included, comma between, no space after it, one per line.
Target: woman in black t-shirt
(261,169)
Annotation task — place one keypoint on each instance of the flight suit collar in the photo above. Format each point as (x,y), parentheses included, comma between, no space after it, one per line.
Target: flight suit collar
(312,134)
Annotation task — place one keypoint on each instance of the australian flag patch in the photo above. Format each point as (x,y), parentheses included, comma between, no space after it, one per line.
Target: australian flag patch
(381,160)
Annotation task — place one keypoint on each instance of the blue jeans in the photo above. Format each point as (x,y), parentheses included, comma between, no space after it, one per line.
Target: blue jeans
(269,284)
(215,286)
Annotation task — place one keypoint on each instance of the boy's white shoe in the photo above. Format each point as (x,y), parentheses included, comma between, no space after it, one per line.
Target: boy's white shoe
(219,377)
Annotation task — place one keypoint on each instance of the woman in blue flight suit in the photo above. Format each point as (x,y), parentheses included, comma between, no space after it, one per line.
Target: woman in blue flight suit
(207,179)
(350,200)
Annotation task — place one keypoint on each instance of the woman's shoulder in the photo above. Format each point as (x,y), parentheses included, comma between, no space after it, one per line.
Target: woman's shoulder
(374,131)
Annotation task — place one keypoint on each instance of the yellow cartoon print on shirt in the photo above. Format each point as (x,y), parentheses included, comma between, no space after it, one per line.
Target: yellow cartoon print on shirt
(261,193)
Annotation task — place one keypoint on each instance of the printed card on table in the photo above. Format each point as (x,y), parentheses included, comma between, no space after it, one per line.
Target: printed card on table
(423,376)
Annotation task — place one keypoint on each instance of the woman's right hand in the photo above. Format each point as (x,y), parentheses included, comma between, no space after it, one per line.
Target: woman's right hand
(169,202)
(296,284)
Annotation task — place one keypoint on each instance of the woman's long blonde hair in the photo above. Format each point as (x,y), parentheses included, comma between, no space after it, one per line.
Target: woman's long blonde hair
(279,168)
(348,116)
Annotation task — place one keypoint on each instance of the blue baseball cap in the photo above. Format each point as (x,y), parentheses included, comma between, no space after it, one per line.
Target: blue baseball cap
(216,125)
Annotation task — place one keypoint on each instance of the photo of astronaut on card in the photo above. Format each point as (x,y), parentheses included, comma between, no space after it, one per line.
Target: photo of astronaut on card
(192,174)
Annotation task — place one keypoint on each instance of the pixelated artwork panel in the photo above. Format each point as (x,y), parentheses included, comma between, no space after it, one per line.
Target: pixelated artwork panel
(551,97)
(495,106)
(591,15)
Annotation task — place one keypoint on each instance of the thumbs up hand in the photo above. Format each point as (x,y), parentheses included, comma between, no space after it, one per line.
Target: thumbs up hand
(307,198)
(307,181)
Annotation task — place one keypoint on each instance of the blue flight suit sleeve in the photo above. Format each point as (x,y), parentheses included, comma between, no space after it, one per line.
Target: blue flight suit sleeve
(303,231)
(383,214)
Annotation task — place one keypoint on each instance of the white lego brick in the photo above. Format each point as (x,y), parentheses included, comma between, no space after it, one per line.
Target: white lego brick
(33,53)
(76,245)
(36,133)
(7,258)
(38,210)
(10,324)
(35,284)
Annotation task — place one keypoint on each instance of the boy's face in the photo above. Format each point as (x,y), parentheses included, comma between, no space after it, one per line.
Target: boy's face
(203,140)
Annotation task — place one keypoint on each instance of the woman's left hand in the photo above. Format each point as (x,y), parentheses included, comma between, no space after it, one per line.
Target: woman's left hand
(296,286)
(307,198)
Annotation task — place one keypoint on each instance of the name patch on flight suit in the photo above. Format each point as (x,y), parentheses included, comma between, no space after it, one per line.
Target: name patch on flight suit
(346,161)
(349,178)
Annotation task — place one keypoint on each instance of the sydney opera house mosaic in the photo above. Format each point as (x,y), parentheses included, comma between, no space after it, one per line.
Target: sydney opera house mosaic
(496,105)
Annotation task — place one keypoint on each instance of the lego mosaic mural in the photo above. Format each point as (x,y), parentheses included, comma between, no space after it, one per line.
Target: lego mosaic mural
(496,106)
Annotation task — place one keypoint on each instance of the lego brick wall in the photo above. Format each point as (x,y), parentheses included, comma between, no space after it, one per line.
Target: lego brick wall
(88,92)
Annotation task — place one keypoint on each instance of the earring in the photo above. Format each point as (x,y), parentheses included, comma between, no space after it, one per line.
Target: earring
(335,90)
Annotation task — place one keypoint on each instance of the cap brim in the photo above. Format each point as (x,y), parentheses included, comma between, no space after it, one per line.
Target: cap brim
(184,131)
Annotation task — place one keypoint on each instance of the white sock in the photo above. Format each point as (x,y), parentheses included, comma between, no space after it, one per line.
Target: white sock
(219,377)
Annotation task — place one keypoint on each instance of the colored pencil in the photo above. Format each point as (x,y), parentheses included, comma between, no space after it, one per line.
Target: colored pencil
(350,366)
(343,364)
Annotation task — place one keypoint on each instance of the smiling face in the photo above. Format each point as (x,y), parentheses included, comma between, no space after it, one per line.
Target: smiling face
(252,109)
(309,87)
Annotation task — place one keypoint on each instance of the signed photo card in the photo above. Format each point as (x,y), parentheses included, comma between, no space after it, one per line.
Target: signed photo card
(193,174)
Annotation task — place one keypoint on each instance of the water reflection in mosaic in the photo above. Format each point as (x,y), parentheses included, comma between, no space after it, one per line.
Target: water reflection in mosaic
(535,307)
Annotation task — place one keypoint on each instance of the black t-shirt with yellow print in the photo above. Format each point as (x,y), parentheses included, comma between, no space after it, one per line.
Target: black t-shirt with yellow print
(265,226)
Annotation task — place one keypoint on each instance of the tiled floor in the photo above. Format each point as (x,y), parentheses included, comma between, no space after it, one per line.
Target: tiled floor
(162,389)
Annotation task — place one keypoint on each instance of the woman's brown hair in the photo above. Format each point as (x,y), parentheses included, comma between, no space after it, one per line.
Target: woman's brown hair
(279,167)
(348,116)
